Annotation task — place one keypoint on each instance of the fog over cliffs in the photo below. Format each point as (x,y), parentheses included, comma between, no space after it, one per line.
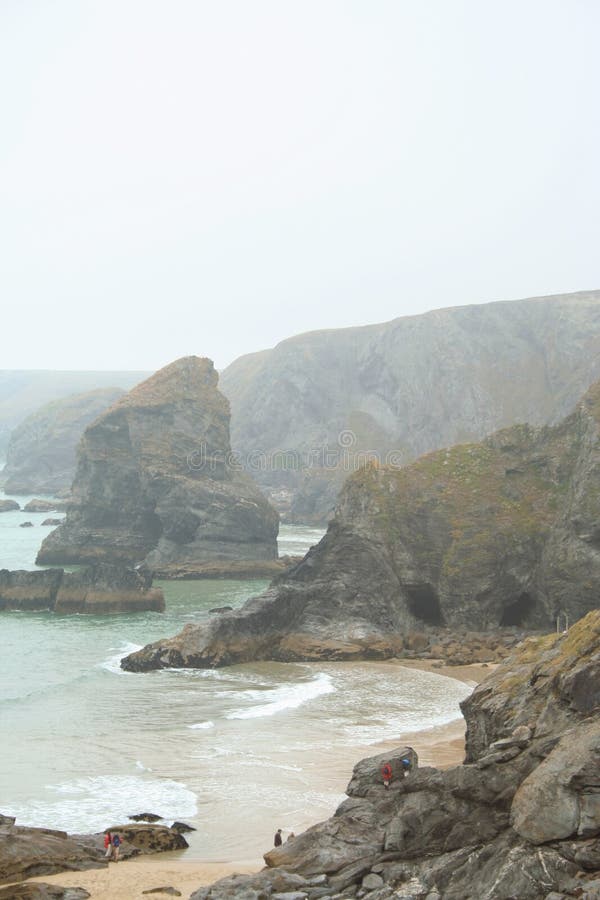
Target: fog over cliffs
(402,388)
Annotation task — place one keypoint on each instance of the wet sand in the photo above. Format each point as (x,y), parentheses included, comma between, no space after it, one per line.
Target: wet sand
(442,747)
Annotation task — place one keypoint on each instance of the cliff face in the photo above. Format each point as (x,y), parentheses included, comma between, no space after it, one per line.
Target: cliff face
(41,455)
(22,392)
(155,483)
(480,536)
(520,819)
(405,388)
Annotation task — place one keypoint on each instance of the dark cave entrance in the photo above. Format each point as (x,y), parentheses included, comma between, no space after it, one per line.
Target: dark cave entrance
(424,603)
(517,612)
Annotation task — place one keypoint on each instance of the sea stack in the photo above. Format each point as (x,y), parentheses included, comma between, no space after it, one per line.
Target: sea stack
(156,484)
(498,535)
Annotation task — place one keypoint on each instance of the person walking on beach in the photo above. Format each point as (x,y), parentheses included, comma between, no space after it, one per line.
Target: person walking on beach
(386,774)
(107,844)
(116,845)
(278,840)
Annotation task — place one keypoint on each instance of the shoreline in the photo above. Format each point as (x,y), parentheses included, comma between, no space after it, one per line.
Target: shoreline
(441,746)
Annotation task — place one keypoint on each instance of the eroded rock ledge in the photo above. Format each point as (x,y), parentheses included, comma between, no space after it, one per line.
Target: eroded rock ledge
(28,852)
(519,819)
(95,589)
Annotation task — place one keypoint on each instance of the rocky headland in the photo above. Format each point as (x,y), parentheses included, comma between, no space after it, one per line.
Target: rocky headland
(41,454)
(519,820)
(95,590)
(486,537)
(155,483)
(308,411)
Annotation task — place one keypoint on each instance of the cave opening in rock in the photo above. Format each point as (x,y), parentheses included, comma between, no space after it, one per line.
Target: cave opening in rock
(517,612)
(424,603)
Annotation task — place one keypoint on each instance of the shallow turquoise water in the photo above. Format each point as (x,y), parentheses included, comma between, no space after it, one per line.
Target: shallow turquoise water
(236,751)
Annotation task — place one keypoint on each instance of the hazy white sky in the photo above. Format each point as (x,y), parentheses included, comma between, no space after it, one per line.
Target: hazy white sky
(185,176)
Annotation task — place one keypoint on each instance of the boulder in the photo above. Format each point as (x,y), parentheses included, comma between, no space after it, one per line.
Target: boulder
(27,852)
(44,505)
(561,797)
(145,817)
(41,891)
(146,839)
(8,505)
(156,482)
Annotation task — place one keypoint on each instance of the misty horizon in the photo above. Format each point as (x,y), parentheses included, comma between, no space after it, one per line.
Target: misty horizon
(193,179)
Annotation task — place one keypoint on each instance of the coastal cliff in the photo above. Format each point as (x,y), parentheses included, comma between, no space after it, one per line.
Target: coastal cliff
(23,391)
(155,484)
(499,534)
(314,406)
(41,455)
(519,819)
(95,590)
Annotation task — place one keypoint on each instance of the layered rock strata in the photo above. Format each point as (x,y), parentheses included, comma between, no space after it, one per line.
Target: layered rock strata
(95,590)
(519,819)
(481,537)
(155,483)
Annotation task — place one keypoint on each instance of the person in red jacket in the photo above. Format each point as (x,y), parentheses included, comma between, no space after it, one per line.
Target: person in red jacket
(108,843)
(386,774)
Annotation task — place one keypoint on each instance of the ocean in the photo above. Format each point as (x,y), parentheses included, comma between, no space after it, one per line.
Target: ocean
(235,752)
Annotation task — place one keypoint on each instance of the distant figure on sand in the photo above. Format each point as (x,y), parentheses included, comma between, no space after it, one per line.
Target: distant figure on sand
(386,774)
(116,843)
(107,844)
(278,840)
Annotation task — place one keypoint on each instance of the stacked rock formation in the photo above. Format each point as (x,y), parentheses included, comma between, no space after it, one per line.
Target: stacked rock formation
(155,483)
(500,534)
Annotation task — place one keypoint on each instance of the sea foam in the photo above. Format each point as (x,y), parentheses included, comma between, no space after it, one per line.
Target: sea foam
(92,804)
(113,663)
(287,696)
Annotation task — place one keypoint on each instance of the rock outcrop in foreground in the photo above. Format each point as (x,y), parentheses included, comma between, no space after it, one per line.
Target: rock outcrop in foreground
(95,590)
(519,820)
(29,852)
(41,455)
(155,483)
(501,534)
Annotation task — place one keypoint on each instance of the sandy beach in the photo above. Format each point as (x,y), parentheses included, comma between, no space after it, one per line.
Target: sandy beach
(442,747)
